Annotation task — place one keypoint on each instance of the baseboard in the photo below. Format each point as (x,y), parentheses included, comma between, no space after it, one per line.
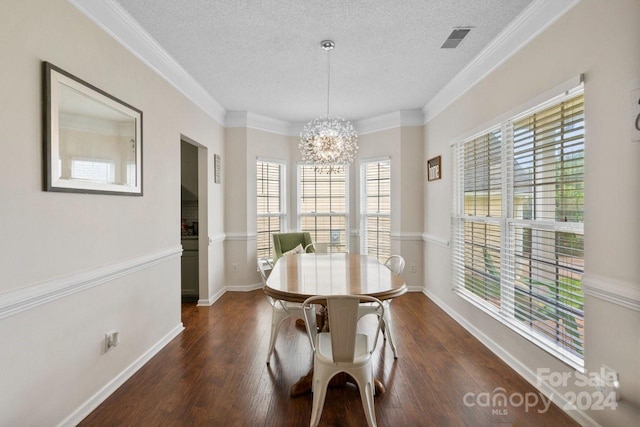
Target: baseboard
(236,288)
(94,401)
(245,288)
(209,301)
(550,392)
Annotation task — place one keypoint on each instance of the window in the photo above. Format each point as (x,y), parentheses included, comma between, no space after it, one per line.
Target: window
(375,184)
(322,206)
(95,170)
(270,204)
(518,225)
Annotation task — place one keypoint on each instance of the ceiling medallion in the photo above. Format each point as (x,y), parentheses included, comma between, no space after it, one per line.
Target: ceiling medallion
(328,142)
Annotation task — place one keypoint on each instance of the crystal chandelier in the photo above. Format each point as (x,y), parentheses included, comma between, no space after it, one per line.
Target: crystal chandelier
(328,142)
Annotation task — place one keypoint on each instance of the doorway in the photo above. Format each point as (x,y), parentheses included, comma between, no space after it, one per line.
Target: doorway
(193,214)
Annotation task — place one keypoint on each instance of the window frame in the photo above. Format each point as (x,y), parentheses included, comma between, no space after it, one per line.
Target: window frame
(365,214)
(345,214)
(507,311)
(282,214)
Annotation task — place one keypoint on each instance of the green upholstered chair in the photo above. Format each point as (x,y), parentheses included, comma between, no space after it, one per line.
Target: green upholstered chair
(284,242)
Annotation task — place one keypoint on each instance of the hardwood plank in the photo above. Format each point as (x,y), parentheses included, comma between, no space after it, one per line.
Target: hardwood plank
(215,373)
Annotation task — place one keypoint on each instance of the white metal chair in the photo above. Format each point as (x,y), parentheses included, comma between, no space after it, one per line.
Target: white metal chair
(280,310)
(342,349)
(395,263)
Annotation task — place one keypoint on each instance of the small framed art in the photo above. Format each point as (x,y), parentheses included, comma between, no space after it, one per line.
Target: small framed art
(434,168)
(217,169)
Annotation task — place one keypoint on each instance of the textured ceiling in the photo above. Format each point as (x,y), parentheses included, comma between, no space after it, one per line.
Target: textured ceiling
(264,56)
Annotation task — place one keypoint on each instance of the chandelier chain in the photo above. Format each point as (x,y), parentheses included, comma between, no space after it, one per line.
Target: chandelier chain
(328,79)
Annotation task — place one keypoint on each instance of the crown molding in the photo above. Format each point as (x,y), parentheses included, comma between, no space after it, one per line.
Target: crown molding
(389,121)
(246,119)
(115,21)
(376,124)
(536,18)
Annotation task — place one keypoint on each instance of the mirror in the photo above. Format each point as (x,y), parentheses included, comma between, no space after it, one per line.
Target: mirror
(93,141)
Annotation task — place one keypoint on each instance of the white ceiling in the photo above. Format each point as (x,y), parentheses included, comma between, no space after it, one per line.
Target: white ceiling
(258,64)
(264,56)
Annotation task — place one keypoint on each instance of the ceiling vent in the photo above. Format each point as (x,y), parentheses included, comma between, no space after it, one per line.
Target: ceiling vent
(455,38)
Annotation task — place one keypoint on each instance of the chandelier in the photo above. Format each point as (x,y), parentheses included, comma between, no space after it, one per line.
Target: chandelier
(328,142)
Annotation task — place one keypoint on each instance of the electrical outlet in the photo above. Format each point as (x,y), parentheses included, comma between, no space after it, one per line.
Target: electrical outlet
(111,340)
(609,382)
(235,267)
(412,268)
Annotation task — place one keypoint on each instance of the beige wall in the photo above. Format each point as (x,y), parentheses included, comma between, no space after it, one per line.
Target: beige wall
(243,147)
(602,40)
(403,145)
(52,360)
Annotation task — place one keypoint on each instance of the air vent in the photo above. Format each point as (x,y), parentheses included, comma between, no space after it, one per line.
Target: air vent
(455,38)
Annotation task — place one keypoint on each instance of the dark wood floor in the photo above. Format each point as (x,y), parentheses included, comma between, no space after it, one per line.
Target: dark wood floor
(215,374)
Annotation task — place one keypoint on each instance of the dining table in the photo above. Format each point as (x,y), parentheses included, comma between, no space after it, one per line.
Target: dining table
(296,277)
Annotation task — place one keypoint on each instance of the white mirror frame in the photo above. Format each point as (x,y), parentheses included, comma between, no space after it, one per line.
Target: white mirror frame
(53,78)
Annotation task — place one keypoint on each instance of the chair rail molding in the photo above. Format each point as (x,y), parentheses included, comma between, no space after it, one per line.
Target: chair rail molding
(241,236)
(218,237)
(29,297)
(617,292)
(430,238)
(407,235)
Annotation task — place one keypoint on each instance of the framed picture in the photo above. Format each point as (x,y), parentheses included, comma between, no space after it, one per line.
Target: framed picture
(434,169)
(217,172)
(92,140)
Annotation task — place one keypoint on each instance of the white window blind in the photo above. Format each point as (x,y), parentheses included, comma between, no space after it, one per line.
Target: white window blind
(518,249)
(270,204)
(322,206)
(95,170)
(375,185)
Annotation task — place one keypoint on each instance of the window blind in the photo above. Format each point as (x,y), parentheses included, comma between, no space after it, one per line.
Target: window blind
(376,208)
(269,205)
(518,244)
(322,202)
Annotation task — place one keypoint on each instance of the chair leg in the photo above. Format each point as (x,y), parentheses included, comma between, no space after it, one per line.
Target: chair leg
(366,394)
(319,394)
(387,325)
(276,320)
(364,378)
